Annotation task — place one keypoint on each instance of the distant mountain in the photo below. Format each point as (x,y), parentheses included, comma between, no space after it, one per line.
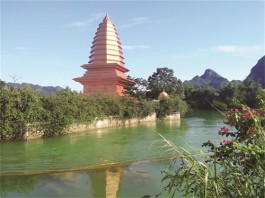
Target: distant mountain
(196,82)
(209,79)
(257,72)
(42,90)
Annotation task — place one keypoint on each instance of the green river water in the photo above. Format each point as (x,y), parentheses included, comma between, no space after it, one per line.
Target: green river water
(114,162)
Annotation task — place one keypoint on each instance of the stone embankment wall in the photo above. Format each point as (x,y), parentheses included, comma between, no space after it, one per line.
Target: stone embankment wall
(108,122)
(35,133)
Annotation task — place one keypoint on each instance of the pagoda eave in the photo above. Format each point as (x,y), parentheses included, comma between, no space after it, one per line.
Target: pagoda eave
(100,80)
(114,65)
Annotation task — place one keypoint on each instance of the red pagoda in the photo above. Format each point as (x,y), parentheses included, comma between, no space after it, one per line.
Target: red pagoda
(105,69)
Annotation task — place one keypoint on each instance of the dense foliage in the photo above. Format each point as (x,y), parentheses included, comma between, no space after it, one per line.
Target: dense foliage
(248,92)
(137,89)
(164,80)
(18,109)
(24,108)
(171,106)
(234,168)
(161,80)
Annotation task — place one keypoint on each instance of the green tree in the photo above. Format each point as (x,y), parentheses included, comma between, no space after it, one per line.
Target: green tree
(227,93)
(200,98)
(2,85)
(250,93)
(138,89)
(164,79)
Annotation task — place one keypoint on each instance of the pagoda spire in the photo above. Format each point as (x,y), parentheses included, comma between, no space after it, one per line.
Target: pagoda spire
(106,67)
(106,18)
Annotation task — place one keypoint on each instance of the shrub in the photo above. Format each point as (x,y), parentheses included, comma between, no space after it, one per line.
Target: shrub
(171,106)
(234,168)
(19,108)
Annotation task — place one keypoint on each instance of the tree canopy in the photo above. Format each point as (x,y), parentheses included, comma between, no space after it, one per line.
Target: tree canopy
(164,79)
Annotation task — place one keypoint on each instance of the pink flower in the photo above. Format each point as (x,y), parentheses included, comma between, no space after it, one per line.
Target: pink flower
(246,115)
(253,111)
(226,141)
(236,110)
(224,129)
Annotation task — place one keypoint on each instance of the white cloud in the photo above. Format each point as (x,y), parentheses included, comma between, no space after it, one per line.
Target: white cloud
(132,47)
(87,22)
(226,48)
(135,21)
(239,50)
(235,50)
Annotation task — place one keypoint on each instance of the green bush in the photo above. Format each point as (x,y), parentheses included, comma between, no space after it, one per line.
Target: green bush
(19,108)
(171,106)
(22,108)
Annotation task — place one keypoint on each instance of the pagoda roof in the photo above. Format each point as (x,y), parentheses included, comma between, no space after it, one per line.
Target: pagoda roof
(106,47)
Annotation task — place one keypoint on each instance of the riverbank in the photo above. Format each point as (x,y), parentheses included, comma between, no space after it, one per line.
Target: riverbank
(34,132)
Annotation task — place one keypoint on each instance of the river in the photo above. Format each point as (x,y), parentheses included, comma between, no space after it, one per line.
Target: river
(114,162)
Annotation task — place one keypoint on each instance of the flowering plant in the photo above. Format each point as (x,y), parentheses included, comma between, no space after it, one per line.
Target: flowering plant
(233,168)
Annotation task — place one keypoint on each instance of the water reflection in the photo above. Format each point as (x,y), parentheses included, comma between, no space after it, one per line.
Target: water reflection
(135,180)
(113,179)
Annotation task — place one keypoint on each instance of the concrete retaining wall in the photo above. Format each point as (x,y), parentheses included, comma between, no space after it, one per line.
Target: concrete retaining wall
(35,133)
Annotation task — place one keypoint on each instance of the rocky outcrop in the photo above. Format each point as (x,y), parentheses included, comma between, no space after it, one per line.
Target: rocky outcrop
(257,72)
(209,79)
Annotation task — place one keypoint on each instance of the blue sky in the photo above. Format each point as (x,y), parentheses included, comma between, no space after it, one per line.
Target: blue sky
(46,42)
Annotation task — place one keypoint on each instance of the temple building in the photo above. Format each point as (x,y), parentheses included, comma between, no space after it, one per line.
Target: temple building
(105,71)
